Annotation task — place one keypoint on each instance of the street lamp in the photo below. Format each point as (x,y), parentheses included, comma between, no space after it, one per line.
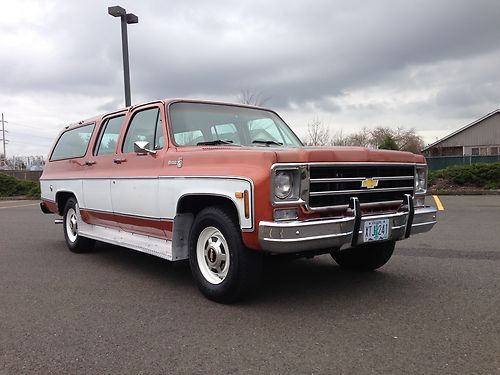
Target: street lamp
(126,18)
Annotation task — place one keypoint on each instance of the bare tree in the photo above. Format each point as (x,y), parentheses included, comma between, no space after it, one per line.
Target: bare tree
(362,138)
(339,139)
(318,134)
(406,139)
(247,96)
(410,141)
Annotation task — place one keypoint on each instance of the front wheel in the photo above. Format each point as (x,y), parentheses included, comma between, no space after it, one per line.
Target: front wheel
(75,242)
(367,257)
(223,268)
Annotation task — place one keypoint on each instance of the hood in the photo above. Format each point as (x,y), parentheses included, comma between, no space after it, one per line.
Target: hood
(345,154)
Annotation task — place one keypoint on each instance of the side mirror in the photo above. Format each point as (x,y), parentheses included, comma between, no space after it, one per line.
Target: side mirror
(142,148)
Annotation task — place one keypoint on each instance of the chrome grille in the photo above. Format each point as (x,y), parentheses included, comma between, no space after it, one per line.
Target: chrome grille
(332,186)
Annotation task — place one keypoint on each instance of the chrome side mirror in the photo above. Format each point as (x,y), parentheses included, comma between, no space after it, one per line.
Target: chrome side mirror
(142,148)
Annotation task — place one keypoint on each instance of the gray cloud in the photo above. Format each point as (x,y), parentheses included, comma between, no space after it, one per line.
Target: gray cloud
(309,54)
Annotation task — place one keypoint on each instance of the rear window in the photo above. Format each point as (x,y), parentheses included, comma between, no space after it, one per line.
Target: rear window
(73,143)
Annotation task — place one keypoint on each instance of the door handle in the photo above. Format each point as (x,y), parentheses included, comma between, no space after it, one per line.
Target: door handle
(119,160)
(90,162)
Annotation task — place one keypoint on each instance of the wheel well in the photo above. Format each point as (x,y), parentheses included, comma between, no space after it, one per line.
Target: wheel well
(195,203)
(61,199)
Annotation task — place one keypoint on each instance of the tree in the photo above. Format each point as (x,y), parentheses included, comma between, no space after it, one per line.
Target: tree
(318,134)
(339,139)
(406,139)
(363,138)
(389,144)
(249,97)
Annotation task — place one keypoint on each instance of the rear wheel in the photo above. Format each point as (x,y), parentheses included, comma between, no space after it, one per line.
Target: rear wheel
(367,257)
(75,242)
(223,268)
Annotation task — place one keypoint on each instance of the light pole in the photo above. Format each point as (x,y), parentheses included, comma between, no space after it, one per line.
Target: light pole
(126,18)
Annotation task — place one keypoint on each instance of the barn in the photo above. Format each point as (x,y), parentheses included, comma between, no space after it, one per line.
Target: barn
(479,138)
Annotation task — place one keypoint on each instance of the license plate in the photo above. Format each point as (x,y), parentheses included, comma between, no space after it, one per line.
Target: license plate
(376,230)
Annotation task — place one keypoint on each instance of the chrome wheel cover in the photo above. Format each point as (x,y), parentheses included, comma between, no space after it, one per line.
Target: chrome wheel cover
(212,254)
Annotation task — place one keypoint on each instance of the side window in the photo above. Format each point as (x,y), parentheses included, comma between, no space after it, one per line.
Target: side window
(108,138)
(145,126)
(73,143)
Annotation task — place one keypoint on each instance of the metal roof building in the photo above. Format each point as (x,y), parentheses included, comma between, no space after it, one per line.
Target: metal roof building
(481,138)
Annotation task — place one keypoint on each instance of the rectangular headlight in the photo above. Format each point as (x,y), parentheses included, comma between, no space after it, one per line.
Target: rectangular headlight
(286,184)
(421,179)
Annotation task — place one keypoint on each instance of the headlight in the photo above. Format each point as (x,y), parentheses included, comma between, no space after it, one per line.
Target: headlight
(283,185)
(421,180)
(288,184)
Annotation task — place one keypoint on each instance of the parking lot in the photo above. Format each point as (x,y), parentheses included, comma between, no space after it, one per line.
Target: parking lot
(434,308)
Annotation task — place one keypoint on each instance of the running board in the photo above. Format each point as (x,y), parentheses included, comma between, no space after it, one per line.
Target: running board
(146,244)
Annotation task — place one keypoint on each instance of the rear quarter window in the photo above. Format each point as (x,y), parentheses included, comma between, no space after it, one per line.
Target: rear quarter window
(73,143)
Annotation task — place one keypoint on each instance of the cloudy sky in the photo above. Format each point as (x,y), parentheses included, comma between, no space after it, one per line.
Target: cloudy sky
(431,64)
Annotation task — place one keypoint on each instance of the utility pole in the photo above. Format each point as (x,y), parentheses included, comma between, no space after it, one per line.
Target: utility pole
(4,140)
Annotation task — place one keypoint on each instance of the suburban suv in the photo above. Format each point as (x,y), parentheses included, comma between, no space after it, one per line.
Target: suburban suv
(225,186)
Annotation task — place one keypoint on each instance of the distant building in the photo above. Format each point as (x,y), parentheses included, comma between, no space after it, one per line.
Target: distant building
(479,138)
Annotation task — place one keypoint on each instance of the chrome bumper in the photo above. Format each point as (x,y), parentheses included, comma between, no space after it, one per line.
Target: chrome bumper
(342,232)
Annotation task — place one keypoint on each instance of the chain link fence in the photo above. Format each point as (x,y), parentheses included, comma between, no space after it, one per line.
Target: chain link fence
(442,162)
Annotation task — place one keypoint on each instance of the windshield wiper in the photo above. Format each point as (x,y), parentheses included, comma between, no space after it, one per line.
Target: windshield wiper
(215,142)
(267,143)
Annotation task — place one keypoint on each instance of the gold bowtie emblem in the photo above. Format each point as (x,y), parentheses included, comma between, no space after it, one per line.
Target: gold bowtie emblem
(369,183)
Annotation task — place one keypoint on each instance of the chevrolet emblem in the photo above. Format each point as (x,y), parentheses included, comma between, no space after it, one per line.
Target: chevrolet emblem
(369,183)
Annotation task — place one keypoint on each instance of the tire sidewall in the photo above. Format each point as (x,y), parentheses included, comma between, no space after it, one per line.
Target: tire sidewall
(211,218)
(80,244)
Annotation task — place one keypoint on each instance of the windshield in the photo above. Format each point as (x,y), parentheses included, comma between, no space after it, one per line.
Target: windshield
(214,124)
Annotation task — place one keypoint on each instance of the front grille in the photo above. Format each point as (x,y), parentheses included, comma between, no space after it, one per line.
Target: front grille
(332,186)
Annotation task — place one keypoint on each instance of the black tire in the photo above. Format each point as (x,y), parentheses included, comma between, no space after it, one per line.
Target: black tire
(74,241)
(223,268)
(366,257)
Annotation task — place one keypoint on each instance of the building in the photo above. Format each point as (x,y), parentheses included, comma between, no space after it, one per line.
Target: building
(479,138)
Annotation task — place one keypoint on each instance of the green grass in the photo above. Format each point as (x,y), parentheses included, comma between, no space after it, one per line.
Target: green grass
(11,186)
(481,175)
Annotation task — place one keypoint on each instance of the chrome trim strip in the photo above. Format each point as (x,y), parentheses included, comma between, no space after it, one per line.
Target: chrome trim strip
(312,222)
(356,179)
(342,192)
(312,238)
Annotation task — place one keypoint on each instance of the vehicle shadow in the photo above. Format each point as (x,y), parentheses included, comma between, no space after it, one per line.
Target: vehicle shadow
(305,281)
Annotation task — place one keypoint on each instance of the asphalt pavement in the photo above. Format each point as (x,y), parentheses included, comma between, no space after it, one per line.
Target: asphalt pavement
(433,309)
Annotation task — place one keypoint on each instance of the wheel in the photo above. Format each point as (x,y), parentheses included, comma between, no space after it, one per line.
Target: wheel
(74,241)
(367,257)
(223,268)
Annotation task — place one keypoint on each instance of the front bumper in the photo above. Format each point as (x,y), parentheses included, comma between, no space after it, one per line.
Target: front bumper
(341,232)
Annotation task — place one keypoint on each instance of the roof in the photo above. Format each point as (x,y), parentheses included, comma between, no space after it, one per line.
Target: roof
(164,101)
(462,129)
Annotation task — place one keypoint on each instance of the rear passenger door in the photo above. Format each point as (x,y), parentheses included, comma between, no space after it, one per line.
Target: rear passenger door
(134,190)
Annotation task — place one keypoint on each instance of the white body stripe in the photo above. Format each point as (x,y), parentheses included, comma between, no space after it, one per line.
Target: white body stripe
(172,189)
(136,196)
(150,197)
(97,195)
